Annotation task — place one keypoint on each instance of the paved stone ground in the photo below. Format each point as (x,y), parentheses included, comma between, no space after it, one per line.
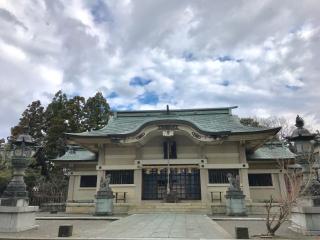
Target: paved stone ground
(139,226)
(155,226)
(48,229)
(166,225)
(258,227)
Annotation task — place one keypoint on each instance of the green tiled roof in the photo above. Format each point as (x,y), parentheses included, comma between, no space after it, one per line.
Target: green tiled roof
(211,120)
(77,154)
(271,150)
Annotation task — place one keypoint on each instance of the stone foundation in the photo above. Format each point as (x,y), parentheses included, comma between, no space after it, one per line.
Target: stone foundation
(306,220)
(17,219)
(152,207)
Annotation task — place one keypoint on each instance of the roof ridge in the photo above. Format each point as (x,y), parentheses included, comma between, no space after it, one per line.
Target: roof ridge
(179,110)
(193,111)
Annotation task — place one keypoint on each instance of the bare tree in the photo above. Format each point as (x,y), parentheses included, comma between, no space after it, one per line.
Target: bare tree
(273,121)
(278,211)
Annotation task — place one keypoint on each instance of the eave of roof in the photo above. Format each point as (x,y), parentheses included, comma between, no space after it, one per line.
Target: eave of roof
(75,155)
(271,151)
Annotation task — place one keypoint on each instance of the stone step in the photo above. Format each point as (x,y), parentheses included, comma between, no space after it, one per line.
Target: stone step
(164,210)
(170,207)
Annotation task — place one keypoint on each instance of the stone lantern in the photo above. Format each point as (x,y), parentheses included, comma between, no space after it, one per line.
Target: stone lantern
(15,213)
(305,216)
(15,193)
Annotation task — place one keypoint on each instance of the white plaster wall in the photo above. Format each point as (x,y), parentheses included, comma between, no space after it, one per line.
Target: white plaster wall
(227,152)
(119,155)
(83,193)
(186,148)
(263,193)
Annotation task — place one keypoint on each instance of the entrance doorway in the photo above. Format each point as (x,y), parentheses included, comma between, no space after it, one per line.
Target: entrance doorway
(184,181)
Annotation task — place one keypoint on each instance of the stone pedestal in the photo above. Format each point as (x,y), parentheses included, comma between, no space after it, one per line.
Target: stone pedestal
(104,206)
(305,217)
(16,219)
(235,203)
(104,197)
(305,220)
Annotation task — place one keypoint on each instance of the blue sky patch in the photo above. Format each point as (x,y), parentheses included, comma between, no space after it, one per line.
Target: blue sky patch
(113,95)
(188,56)
(225,83)
(123,107)
(228,58)
(148,98)
(293,88)
(139,81)
(100,12)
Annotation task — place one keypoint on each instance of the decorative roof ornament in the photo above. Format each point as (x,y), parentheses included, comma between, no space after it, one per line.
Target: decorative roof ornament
(299,122)
(300,133)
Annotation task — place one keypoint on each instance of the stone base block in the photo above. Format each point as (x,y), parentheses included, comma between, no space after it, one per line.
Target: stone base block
(104,206)
(17,219)
(305,220)
(236,207)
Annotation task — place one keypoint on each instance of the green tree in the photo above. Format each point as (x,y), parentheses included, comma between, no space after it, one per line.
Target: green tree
(97,112)
(63,114)
(33,118)
(75,114)
(56,124)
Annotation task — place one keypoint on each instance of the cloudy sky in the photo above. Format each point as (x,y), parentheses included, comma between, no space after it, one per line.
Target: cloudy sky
(262,56)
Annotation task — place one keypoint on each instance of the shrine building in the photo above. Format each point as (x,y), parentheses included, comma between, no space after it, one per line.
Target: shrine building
(189,151)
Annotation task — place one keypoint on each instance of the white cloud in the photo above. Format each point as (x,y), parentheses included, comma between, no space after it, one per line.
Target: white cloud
(260,55)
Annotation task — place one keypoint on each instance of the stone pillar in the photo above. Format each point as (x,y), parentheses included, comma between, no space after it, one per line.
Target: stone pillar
(138,183)
(204,185)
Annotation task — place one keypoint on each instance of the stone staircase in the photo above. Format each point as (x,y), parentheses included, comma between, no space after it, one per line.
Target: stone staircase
(170,207)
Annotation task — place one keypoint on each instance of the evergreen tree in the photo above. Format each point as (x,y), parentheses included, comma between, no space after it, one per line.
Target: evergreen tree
(96,112)
(33,118)
(62,115)
(56,125)
(75,114)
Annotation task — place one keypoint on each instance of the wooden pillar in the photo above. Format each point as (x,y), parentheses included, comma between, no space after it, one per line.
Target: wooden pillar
(245,183)
(244,172)
(138,183)
(282,186)
(101,161)
(204,185)
(71,188)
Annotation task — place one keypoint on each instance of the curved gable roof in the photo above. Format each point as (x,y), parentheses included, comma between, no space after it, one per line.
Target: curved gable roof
(211,121)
